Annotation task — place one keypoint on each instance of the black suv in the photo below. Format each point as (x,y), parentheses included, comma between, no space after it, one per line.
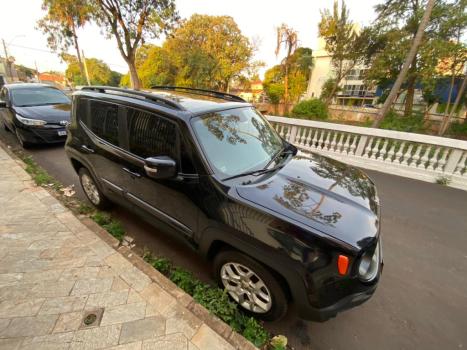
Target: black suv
(278,225)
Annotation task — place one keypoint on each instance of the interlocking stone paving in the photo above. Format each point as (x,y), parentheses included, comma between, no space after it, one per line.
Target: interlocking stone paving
(53,270)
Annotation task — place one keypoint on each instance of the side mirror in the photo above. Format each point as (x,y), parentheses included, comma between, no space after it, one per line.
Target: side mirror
(162,167)
(3,104)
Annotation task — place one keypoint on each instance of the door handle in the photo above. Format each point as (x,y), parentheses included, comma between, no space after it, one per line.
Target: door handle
(132,173)
(87,149)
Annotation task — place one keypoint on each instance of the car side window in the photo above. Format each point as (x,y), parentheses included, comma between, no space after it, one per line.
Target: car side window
(3,95)
(103,120)
(151,135)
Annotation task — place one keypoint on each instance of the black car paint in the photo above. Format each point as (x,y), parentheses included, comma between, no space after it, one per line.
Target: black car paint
(55,115)
(268,219)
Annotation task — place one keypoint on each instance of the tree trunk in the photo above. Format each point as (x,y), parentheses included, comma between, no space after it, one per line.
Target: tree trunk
(78,51)
(446,111)
(286,88)
(410,96)
(454,106)
(405,68)
(333,92)
(135,82)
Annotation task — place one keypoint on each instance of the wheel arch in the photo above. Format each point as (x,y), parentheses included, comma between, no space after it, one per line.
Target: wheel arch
(217,244)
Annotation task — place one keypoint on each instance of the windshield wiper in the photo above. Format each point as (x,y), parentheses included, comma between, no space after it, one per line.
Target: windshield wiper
(254,172)
(281,152)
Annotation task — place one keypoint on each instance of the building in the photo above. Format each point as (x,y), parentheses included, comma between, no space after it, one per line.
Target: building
(254,94)
(353,90)
(8,72)
(53,79)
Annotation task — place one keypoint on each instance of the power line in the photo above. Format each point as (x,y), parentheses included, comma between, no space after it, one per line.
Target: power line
(54,53)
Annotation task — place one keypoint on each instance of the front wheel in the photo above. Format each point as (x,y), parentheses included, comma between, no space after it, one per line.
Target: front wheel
(91,190)
(251,285)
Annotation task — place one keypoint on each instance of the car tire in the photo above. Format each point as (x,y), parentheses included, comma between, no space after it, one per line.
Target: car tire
(268,302)
(92,191)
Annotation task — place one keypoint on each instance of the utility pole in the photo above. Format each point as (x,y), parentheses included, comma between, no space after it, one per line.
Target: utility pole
(85,68)
(37,72)
(7,61)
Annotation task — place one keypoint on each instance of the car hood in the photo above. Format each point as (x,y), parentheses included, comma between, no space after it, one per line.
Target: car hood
(49,113)
(323,194)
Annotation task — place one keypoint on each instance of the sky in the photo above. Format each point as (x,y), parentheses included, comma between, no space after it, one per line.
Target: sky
(257,20)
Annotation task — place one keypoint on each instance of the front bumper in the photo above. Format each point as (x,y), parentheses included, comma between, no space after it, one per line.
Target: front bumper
(323,314)
(41,135)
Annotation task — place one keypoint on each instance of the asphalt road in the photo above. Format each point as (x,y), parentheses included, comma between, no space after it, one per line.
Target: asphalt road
(421,301)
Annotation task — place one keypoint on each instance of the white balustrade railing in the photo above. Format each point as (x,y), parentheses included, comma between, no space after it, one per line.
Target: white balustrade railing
(417,156)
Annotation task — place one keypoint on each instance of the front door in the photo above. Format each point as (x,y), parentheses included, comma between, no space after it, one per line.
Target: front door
(151,135)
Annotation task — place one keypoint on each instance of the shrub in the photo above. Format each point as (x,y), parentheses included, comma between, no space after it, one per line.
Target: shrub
(412,123)
(111,225)
(311,109)
(458,129)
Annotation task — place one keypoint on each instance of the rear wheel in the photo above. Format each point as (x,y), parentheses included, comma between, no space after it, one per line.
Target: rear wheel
(251,285)
(91,190)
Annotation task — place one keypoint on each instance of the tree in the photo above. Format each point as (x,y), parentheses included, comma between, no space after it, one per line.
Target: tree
(60,23)
(131,22)
(300,63)
(343,43)
(99,72)
(409,64)
(209,51)
(460,93)
(287,38)
(456,59)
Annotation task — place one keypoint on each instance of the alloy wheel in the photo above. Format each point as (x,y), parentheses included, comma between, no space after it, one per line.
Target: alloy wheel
(246,287)
(90,189)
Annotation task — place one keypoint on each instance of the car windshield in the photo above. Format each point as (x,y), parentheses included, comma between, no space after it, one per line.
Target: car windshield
(36,96)
(237,140)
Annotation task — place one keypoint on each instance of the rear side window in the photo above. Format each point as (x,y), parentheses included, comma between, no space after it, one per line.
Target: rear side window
(150,135)
(103,121)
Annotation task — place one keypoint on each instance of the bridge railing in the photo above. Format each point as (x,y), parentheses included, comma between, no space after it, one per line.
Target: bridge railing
(423,157)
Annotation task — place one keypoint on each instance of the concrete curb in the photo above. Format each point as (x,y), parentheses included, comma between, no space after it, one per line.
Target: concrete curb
(216,324)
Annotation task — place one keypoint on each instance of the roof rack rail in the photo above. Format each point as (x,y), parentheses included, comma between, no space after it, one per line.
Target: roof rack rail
(213,93)
(146,95)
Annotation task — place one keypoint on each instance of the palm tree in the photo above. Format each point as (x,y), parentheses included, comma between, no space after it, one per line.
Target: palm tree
(288,38)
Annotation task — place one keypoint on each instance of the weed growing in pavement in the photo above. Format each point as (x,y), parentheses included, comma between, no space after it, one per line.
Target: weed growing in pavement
(39,175)
(214,299)
(112,226)
(443,180)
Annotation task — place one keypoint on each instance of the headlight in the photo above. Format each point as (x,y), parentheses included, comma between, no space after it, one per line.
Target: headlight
(369,265)
(32,122)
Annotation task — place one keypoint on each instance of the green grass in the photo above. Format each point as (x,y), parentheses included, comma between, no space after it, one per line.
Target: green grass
(38,174)
(111,225)
(214,299)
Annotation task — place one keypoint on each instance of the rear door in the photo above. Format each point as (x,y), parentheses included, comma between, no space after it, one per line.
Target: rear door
(101,142)
(151,135)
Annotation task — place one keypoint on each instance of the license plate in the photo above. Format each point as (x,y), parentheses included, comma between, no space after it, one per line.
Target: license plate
(62,133)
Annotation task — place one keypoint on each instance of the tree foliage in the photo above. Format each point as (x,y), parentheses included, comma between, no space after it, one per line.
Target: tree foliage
(60,23)
(209,51)
(99,72)
(344,43)
(299,70)
(204,52)
(392,35)
(131,22)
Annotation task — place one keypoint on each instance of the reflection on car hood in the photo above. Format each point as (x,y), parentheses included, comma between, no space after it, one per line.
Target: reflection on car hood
(323,194)
(49,113)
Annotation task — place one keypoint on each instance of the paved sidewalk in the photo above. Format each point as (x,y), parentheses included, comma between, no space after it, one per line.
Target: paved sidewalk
(54,271)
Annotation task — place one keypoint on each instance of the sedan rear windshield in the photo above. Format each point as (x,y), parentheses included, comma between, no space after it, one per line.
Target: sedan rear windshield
(38,96)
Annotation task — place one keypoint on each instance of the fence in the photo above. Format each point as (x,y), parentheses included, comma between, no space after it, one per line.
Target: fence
(416,156)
